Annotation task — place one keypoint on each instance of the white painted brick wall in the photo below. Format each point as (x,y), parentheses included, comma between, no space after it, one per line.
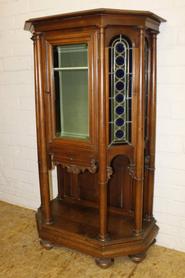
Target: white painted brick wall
(18,155)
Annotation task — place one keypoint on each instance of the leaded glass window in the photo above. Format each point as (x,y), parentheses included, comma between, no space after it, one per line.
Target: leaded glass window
(120,90)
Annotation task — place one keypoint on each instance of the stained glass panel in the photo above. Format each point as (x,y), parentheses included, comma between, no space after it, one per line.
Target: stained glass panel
(120,90)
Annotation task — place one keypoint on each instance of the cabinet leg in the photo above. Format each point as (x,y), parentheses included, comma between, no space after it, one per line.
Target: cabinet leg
(137,258)
(46,244)
(104,262)
(153,242)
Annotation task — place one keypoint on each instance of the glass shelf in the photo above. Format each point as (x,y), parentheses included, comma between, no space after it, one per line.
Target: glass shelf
(71,68)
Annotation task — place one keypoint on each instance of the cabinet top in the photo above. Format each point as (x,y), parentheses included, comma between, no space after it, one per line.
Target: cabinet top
(37,24)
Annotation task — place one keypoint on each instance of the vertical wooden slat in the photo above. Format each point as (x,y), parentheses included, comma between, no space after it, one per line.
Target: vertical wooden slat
(139,172)
(102,176)
(75,190)
(152,131)
(41,132)
(60,181)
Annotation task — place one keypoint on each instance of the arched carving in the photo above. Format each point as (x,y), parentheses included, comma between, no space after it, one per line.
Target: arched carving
(120,186)
(77,169)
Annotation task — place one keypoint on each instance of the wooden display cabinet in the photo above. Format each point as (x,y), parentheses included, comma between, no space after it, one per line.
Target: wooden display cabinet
(95,90)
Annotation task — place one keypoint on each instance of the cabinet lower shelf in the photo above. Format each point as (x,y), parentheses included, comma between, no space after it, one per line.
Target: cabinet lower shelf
(77,227)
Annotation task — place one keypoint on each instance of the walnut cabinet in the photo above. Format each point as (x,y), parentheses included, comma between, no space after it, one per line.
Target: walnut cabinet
(95,91)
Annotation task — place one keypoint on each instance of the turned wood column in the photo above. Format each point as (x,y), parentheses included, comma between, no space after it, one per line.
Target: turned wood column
(102,176)
(139,171)
(41,132)
(152,130)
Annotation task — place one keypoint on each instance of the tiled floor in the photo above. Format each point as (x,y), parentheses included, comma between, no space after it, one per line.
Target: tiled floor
(21,255)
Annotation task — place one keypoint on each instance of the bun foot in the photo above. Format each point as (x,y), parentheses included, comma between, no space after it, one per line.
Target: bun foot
(46,244)
(137,258)
(104,262)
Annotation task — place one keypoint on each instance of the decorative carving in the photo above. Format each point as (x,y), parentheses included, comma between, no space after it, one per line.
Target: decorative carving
(33,38)
(93,168)
(51,164)
(109,172)
(74,169)
(147,160)
(152,169)
(77,169)
(36,36)
(131,170)
(147,164)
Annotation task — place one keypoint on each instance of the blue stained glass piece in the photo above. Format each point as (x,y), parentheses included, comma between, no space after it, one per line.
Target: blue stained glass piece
(119,122)
(119,110)
(119,98)
(119,134)
(120,61)
(120,85)
(119,47)
(120,73)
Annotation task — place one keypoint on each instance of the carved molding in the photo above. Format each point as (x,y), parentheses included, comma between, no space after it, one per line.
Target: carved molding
(151,169)
(132,173)
(36,36)
(51,164)
(77,169)
(131,170)
(74,169)
(147,164)
(93,168)
(147,160)
(109,172)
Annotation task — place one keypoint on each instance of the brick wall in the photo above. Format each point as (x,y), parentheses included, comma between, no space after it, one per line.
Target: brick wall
(18,156)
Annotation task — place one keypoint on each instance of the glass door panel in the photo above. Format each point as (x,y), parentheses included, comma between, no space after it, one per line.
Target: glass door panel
(71,90)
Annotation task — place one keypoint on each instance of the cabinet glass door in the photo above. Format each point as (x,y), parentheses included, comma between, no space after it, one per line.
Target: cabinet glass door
(71,90)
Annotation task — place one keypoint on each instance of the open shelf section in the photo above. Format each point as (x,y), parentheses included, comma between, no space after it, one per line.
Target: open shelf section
(74,224)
